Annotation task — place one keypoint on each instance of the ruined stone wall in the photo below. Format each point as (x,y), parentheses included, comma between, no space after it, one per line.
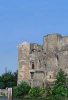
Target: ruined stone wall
(63,54)
(56,50)
(51,43)
(40,63)
(30,59)
(51,50)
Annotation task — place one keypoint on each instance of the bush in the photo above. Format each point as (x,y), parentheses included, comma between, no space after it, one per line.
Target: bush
(21,90)
(36,92)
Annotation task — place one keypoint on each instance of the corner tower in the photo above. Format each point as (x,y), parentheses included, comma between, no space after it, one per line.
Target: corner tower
(23,61)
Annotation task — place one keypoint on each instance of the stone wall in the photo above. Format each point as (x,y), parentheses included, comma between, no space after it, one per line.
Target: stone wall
(40,63)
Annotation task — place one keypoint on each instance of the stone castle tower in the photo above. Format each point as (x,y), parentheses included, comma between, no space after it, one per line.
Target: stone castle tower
(38,64)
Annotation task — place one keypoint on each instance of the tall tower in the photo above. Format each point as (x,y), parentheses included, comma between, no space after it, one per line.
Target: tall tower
(23,62)
(30,64)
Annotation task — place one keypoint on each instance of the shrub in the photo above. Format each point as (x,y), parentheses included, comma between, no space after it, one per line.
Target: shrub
(21,90)
(36,92)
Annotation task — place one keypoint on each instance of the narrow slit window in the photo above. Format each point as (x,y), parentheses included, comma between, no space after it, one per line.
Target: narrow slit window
(57,57)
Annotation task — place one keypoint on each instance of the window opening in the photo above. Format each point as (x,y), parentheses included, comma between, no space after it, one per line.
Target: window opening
(30,83)
(50,76)
(57,57)
(32,75)
(45,65)
(32,65)
(33,50)
(39,50)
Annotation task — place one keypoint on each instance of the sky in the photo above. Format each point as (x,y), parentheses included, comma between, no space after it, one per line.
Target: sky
(28,20)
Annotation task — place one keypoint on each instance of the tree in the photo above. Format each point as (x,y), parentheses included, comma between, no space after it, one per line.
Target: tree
(9,79)
(61,78)
(21,90)
(2,84)
(60,90)
(15,75)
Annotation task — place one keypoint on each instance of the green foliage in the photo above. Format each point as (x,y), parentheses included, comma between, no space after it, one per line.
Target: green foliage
(8,79)
(21,90)
(36,92)
(2,85)
(56,92)
(42,92)
(61,78)
(60,90)
(15,74)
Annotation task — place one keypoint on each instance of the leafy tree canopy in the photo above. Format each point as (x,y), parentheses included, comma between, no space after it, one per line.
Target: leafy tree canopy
(61,78)
(60,90)
(21,90)
(8,79)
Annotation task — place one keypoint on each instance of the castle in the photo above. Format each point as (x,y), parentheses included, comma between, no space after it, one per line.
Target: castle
(39,64)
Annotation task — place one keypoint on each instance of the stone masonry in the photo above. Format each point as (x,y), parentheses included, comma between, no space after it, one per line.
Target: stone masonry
(39,64)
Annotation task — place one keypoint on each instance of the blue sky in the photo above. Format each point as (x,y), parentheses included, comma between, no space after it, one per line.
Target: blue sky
(28,20)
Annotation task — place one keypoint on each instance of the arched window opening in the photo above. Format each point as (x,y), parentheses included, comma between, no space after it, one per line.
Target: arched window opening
(32,65)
